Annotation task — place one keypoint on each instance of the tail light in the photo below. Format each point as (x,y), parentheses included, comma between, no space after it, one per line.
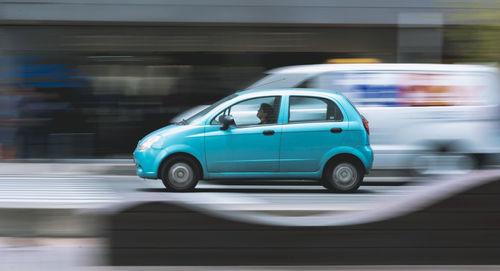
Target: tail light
(365,124)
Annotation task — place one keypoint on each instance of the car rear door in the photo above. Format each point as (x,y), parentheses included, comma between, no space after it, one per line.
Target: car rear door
(315,125)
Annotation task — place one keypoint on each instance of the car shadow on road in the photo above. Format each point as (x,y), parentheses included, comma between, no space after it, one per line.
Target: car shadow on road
(320,190)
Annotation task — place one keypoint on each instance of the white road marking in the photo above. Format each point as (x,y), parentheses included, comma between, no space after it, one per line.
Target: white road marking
(48,189)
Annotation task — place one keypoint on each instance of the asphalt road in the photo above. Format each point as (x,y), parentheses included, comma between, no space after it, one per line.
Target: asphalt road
(292,197)
(56,191)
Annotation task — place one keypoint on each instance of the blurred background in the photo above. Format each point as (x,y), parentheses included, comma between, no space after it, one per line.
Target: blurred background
(74,75)
(85,80)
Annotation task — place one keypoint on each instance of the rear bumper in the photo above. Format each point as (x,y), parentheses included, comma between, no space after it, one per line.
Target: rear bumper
(368,157)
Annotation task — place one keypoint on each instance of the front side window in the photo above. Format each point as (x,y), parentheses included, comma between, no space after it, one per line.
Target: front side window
(313,109)
(263,110)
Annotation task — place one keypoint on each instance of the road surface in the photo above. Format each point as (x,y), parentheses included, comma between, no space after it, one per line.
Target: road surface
(61,191)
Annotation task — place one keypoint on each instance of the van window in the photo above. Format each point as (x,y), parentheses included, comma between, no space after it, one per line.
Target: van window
(313,109)
(279,80)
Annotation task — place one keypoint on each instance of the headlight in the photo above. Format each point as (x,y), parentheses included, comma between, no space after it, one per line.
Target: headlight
(149,142)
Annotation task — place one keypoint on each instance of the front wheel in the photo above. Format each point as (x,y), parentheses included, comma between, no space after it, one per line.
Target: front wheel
(180,174)
(343,176)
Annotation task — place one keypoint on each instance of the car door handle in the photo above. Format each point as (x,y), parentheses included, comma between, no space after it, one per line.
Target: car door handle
(336,130)
(268,132)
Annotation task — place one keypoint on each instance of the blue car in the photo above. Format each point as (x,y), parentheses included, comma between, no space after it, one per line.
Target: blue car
(263,134)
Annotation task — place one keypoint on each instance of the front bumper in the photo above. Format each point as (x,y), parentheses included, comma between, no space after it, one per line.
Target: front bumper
(145,163)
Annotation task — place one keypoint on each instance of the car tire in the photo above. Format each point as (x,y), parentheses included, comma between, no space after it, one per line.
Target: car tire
(343,176)
(180,174)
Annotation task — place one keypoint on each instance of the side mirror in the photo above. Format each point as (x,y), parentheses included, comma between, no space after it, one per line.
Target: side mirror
(226,121)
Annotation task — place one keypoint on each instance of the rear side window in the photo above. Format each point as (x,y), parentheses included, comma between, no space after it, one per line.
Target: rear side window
(305,109)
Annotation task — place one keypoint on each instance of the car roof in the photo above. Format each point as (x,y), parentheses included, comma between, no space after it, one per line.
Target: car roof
(320,68)
(289,91)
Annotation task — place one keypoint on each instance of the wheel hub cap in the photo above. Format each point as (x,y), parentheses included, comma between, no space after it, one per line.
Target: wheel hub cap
(345,176)
(180,173)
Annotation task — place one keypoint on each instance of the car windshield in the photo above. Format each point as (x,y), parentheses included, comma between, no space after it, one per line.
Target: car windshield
(208,109)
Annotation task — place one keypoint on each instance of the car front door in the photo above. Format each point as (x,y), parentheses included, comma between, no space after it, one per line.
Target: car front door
(252,144)
(315,126)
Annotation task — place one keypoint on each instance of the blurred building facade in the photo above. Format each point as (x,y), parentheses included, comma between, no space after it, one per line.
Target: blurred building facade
(90,78)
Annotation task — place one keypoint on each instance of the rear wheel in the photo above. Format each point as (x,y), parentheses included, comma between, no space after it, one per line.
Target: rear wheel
(343,176)
(180,174)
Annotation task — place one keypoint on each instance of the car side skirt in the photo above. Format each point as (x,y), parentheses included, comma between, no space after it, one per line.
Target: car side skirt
(264,175)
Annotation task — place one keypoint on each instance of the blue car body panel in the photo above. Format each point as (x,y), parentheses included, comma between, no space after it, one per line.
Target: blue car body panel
(174,139)
(244,149)
(295,150)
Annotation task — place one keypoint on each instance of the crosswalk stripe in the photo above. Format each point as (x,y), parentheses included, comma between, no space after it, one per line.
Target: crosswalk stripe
(27,189)
(42,178)
(58,201)
(51,187)
(53,197)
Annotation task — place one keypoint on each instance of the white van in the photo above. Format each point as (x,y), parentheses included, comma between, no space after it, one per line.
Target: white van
(432,118)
